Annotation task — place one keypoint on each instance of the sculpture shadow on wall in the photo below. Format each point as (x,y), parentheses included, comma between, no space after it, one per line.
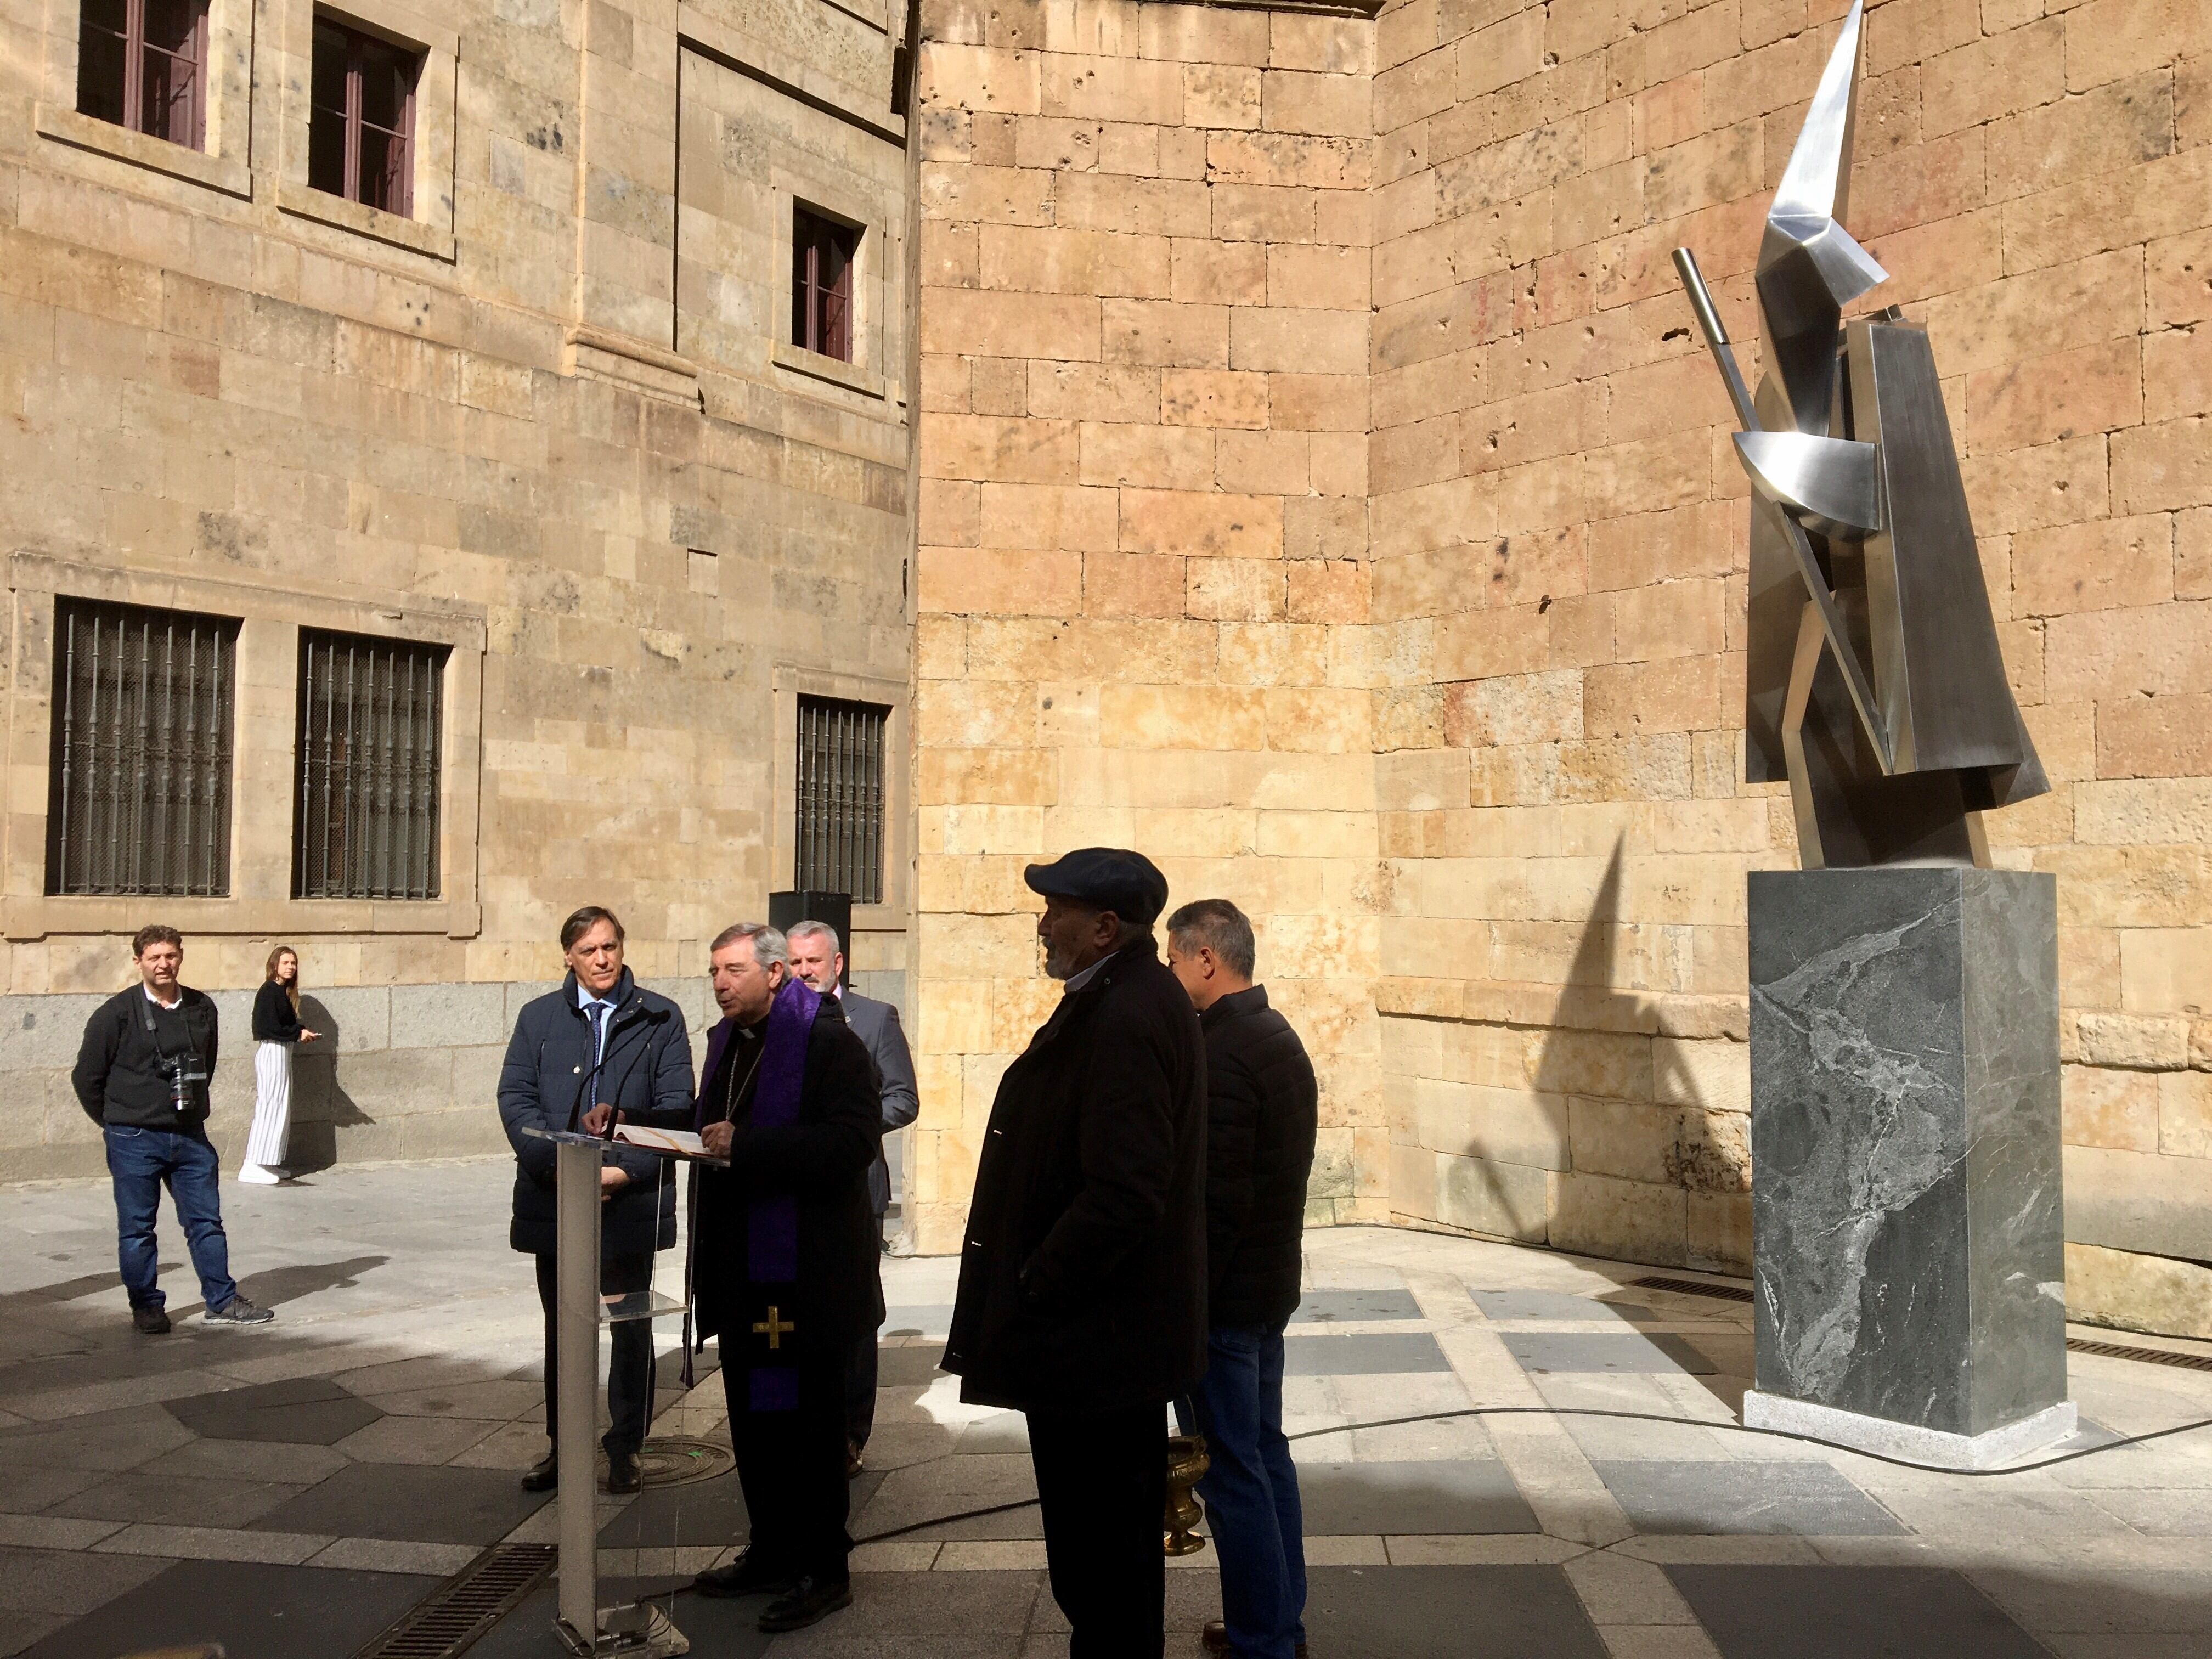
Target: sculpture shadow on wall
(320,1105)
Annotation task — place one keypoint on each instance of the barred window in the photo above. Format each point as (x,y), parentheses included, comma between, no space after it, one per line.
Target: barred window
(840,799)
(138,788)
(366,824)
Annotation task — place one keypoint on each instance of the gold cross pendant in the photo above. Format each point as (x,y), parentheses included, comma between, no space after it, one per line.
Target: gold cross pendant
(772,1328)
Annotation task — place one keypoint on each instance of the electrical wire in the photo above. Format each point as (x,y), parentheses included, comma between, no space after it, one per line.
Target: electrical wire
(1630,1416)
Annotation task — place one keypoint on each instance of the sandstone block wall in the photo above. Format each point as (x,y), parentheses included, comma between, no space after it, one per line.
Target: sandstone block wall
(545,421)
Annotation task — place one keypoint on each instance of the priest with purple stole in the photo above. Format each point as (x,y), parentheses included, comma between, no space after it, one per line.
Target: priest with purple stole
(785,1264)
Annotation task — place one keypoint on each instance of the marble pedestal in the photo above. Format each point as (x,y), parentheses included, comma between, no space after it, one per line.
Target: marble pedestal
(1907,1231)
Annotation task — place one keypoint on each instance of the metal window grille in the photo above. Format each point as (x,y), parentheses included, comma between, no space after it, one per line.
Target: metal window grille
(138,789)
(368,820)
(840,799)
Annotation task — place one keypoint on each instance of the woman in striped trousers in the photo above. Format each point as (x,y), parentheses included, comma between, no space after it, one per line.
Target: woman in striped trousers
(276,1028)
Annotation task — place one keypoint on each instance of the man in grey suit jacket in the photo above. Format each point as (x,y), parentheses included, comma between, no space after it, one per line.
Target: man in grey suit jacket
(818,958)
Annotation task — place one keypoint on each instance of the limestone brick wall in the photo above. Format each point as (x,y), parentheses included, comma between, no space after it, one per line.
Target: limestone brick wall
(1143,578)
(1557,540)
(546,420)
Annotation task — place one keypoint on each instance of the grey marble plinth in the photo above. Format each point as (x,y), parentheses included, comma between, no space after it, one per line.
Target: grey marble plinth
(1907,1231)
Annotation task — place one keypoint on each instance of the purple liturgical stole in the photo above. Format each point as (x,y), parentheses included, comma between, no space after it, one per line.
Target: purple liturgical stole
(772,1222)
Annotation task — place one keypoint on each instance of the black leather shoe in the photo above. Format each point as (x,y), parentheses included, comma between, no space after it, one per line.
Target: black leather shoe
(151,1320)
(743,1577)
(807,1603)
(544,1474)
(621,1473)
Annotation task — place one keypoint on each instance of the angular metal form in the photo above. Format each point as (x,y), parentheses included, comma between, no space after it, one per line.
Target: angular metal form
(1874,681)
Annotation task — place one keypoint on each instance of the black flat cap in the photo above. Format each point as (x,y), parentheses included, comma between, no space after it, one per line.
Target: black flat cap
(1110,878)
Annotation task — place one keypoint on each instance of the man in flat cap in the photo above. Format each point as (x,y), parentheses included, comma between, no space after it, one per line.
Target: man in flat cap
(1082,1294)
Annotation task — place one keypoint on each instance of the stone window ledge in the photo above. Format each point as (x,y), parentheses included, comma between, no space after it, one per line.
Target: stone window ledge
(799,361)
(225,173)
(34,918)
(388,227)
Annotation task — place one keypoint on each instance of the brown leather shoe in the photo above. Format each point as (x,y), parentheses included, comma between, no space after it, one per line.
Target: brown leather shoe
(1215,1636)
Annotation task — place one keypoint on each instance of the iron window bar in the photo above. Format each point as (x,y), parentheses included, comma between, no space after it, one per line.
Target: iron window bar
(839,846)
(367,774)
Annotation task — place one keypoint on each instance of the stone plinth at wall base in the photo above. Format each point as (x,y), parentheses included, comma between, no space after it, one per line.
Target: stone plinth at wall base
(1990,1449)
(1907,1251)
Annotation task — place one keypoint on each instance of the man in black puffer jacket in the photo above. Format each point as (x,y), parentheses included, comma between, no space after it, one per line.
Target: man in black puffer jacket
(599,1038)
(1261,1113)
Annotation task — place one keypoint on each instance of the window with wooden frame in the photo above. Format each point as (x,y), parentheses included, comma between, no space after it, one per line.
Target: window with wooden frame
(822,252)
(142,64)
(361,123)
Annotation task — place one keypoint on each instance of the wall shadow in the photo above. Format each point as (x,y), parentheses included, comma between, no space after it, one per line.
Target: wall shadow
(320,1105)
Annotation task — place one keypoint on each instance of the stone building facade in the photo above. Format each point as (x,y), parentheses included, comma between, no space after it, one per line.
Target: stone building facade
(1311,476)
(537,409)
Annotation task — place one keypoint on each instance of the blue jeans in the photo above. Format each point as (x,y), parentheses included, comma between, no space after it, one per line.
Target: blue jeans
(1251,1492)
(141,1161)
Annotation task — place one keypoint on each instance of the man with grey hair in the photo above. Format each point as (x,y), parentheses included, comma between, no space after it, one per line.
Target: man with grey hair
(784,1262)
(1261,1110)
(818,958)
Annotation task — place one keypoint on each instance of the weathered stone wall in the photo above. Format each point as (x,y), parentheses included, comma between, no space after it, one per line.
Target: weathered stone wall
(1143,523)
(544,420)
(1557,531)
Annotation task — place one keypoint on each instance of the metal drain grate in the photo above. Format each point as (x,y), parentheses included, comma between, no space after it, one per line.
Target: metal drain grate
(467,1605)
(1693,1287)
(673,1463)
(2187,1362)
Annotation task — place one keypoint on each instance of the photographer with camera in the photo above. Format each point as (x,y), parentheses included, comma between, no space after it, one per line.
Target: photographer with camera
(142,1076)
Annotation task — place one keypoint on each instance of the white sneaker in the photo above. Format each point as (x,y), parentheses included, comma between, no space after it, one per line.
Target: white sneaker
(257,1174)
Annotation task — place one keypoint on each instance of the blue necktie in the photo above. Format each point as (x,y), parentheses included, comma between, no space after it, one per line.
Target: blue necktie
(599,1013)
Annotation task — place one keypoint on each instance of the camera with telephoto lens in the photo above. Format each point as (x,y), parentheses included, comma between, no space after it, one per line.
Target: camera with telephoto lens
(184,1076)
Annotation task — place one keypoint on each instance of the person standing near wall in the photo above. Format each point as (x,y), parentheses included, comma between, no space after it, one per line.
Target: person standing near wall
(143,1075)
(1263,1111)
(277,1028)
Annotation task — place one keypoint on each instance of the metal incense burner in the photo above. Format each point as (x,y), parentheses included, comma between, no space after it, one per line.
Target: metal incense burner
(1187,1465)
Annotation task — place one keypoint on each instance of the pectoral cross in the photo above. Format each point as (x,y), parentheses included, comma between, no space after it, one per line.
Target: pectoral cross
(772,1328)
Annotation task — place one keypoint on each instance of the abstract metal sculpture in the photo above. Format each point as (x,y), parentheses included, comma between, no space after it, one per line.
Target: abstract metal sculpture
(1873,678)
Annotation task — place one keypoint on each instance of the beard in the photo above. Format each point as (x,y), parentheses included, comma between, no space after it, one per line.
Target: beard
(1058,960)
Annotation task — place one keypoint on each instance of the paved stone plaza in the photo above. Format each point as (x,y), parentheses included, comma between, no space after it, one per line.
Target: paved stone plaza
(293,1490)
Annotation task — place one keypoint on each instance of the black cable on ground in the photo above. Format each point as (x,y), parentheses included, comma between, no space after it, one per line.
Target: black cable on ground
(1590,1410)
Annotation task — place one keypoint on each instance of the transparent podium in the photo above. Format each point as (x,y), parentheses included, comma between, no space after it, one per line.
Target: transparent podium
(639,1630)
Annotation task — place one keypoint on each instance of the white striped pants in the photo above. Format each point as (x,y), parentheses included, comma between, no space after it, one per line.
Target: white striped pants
(272,1104)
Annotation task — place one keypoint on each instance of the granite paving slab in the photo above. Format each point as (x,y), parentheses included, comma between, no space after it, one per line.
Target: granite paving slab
(724,1630)
(1849,1612)
(53,1581)
(1596,1350)
(429,1504)
(919,1319)
(1807,1500)
(178,1499)
(254,1609)
(907,1368)
(952,1484)
(1351,1355)
(1507,1307)
(1502,1611)
(1323,1307)
(308,1411)
(1468,1495)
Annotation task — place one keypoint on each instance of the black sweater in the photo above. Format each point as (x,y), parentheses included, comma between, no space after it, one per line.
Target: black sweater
(275,1019)
(118,1077)
(1261,1112)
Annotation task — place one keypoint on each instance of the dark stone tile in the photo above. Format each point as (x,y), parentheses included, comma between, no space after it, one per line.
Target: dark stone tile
(662,1517)
(177,1500)
(254,1610)
(907,1368)
(1509,1612)
(1849,1612)
(955,1486)
(308,1411)
(67,1583)
(1508,1306)
(1358,1499)
(1362,1356)
(1322,1306)
(1809,1500)
(1598,1351)
(430,1504)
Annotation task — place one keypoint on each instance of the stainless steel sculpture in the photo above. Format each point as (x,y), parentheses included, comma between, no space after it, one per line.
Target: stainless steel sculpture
(1873,678)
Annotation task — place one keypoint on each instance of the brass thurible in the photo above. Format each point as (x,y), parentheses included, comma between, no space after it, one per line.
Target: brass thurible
(1186,1465)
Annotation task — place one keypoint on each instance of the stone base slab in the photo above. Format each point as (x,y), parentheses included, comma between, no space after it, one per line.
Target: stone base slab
(1986,1450)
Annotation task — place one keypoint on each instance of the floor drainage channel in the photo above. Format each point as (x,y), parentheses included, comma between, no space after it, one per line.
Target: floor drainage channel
(1691,1287)
(467,1605)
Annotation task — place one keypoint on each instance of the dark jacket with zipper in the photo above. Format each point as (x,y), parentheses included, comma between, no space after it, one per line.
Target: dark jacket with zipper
(1083,1279)
(1262,1105)
(119,1077)
(646,1067)
(275,1018)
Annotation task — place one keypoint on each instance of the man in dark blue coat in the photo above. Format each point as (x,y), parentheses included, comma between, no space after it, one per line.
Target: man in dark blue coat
(597,1039)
